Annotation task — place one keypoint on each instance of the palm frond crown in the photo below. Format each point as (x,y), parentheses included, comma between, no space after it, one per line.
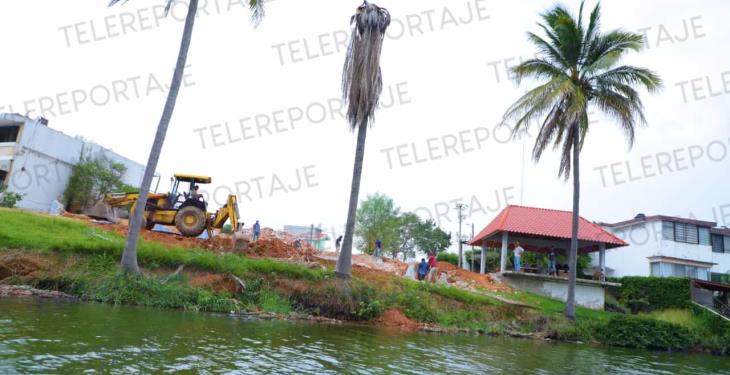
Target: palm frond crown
(578,66)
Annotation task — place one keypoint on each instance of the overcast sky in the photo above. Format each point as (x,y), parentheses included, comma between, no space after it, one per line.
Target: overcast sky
(259,107)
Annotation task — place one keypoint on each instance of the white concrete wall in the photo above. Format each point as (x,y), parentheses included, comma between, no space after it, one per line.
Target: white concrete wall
(592,296)
(644,241)
(700,253)
(723,262)
(44,158)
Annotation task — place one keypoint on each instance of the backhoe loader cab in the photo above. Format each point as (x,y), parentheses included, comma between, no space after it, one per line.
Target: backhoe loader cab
(180,191)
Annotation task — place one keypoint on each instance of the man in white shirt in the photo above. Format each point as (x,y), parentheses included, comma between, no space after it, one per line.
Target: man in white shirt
(518,256)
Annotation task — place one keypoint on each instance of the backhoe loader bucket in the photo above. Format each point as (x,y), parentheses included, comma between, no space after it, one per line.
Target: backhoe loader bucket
(102,211)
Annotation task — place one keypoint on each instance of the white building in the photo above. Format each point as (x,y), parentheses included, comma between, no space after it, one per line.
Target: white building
(36,160)
(668,246)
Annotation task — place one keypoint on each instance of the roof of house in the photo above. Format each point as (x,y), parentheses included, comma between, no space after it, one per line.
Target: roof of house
(545,223)
(724,231)
(641,218)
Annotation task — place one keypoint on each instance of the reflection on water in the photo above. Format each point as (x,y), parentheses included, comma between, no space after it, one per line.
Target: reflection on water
(72,338)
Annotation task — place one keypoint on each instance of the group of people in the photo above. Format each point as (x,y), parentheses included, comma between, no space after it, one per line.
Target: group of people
(427,270)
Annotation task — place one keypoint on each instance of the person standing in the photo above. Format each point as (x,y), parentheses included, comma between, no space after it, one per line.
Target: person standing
(378,248)
(338,243)
(422,269)
(552,270)
(432,268)
(518,256)
(256,230)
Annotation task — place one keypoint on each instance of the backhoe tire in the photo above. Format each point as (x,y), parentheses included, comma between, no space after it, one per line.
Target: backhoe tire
(146,224)
(190,221)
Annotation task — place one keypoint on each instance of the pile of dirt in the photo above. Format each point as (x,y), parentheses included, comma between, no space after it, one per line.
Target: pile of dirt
(275,248)
(396,318)
(471,280)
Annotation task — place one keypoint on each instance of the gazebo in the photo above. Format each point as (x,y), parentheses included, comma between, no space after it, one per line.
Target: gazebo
(539,230)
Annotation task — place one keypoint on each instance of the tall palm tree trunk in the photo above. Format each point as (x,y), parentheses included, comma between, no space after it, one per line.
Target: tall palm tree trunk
(129,257)
(344,261)
(573,256)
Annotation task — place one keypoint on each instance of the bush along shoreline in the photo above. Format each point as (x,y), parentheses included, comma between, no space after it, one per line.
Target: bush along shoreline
(72,257)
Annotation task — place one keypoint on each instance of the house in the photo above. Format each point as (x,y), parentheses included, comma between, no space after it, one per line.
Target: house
(311,234)
(669,246)
(36,160)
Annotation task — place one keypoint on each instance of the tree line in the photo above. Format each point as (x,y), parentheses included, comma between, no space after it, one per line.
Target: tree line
(403,234)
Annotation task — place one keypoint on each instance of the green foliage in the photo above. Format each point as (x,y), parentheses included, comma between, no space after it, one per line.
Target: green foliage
(274,303)
(9,199)
(578,65)
(90,179)
(408,223)
(452,293)
(654,293)
(370,309)
(635,332)
(150,291)
(227,229)
(377,218)
(448,257)
(431,239)
(342,299)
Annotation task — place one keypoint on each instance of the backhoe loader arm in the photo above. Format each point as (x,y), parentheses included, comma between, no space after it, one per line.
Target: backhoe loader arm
(227,212)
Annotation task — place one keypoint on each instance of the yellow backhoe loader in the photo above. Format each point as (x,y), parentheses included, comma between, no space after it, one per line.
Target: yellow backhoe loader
(184,211)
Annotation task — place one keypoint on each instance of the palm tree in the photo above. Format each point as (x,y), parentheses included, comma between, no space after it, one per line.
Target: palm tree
(129,257)
(362,84)
(579,67)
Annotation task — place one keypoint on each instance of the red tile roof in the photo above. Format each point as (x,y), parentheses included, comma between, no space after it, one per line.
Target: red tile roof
(546,223)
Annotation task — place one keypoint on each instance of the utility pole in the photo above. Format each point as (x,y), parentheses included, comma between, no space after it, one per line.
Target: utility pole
(472,248)
(460,207)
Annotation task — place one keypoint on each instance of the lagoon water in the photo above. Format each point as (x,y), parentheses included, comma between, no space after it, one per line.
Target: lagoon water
(60,337)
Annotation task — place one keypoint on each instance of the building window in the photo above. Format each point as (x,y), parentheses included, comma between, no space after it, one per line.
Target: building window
(717,243)
(9,133)
(727,244)
(686,233)
(3,174)
(704,236)
(663,269)
(655,270)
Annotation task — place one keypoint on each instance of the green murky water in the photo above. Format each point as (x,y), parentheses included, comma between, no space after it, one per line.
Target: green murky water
(57,337)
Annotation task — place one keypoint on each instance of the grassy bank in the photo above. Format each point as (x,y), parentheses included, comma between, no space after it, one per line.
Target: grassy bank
(76,258)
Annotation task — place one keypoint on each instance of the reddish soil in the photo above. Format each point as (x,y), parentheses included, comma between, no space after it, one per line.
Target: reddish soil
(217,282)
(396,318)
(478,280)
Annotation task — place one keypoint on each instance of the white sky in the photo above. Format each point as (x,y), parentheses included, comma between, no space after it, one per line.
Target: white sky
(447,89)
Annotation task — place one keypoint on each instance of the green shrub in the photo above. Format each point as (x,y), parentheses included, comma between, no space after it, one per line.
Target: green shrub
(448,257)
(635,332)
(91,178)
(654,293)
(9,199)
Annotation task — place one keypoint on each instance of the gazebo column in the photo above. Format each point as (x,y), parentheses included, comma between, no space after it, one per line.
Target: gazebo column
(483,262)
(503,258)
(602,257)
